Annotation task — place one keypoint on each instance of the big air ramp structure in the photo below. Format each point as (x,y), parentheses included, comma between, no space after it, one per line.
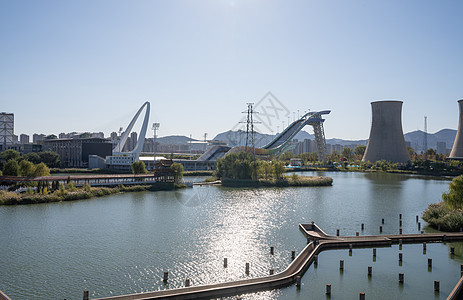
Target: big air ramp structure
(386,140)
(457,149)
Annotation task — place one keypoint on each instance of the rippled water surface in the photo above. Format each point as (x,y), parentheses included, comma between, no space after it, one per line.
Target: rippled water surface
(123,243)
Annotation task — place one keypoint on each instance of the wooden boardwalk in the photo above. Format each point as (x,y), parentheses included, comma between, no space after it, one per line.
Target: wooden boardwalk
(317,242)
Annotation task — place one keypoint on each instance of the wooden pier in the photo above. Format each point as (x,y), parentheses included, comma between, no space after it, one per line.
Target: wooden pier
(317,241)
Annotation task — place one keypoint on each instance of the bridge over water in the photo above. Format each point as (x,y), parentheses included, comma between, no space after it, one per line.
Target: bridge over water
(318,241)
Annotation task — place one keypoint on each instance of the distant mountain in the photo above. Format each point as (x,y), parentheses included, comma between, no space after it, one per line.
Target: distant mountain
(238,138)
(416,139)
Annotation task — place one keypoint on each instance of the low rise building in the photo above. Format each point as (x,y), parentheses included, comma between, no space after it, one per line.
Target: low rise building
(74,152)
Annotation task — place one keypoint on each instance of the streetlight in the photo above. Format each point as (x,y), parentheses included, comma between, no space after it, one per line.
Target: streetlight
(155,129)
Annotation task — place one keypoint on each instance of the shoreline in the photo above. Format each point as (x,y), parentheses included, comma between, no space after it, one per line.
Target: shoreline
(300,181)
(11,198)
(404,172)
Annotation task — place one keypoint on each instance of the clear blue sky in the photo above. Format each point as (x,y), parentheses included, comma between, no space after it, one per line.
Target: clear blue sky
(89,65)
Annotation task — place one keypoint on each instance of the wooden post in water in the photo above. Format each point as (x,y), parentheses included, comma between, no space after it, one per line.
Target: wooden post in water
(337,232)
(293,255)
(452,250)
(363,226)
(85,295)
(370,271)
(247,268)
(382,221)
(341,265)
(271,271)
(187,282)
(362,296)
(298,281)
(436,285)
(400,242)
(419,225)
(357,233)
(271,250)
(166,276)
(400,231)
(400,256)
(429,262)
(416,218)
(225,262)
(328,289)
(374,251)
(315,260)
(401,277)
(400,216)
(380,228)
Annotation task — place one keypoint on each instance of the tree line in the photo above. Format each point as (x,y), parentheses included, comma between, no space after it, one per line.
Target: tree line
(28,165)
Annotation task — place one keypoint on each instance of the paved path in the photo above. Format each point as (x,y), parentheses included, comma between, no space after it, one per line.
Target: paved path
(319,241)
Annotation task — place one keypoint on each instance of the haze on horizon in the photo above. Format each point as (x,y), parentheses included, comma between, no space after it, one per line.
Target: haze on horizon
(89,65)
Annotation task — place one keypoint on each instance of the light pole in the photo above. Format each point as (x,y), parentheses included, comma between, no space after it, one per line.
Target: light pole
(155,129)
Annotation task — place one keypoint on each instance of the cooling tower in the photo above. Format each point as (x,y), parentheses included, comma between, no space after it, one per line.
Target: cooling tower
(386,136)
(457,149)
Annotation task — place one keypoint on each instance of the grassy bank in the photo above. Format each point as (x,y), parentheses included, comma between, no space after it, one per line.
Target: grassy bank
(288,181)
(439,215)
(10,198)
(198,173)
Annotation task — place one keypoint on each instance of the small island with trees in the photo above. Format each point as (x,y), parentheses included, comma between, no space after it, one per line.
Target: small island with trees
(244,170)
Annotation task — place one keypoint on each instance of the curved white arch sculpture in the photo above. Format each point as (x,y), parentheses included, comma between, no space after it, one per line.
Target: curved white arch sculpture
(141,140)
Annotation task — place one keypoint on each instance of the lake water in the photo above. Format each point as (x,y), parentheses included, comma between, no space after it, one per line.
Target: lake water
(123,243)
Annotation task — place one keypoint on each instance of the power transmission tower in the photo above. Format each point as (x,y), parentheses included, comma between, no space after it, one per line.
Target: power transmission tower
(250,128)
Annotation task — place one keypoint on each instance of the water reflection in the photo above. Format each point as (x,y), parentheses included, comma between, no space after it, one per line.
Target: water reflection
(123,243)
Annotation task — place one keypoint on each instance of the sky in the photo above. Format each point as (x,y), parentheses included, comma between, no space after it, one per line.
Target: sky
(90,65)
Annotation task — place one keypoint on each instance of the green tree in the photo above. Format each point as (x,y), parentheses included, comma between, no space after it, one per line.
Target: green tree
(50,158)
(347,153)
(41,170)
(138,167)
(286,156)
(254,168)
(11,168)
(412,153)
(10,154)
(278,169)
(26,168)
(454,197)
(178,172)
(235,166)
(313,157)
(32,157)
(359,151)
(334,156)
(266,169)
